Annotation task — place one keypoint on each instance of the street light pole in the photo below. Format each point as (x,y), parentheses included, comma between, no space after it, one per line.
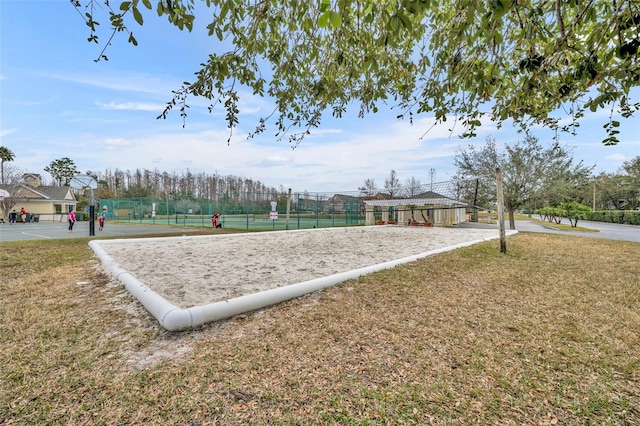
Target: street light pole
(84,182)
(92,221)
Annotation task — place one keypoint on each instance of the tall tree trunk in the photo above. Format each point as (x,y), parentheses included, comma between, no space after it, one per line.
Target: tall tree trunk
(500,198)
(512,219)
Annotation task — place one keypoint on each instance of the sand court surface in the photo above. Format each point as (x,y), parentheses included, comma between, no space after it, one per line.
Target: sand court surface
(189,272)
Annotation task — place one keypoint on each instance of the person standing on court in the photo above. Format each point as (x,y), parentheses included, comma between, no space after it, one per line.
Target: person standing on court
(12,217)
(72,220)
(101,222)
(23,215)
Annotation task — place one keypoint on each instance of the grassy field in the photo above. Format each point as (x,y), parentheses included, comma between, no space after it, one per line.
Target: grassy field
(548,333)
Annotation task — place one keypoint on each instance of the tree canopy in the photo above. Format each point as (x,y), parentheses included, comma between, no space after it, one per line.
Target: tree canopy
(62,170)
(5,155)
(529,170)
(369,188)
(619,190)
(529,61)
(392,184)
(12,184)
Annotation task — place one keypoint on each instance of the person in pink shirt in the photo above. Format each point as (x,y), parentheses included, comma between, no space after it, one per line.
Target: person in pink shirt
(72,220)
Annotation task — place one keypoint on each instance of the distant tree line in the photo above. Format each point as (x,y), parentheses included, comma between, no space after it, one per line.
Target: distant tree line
(116,183)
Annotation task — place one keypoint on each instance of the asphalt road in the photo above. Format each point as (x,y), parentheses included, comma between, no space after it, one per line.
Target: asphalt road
(609,231)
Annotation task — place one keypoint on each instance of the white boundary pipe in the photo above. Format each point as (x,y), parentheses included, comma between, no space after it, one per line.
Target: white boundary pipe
(173,318)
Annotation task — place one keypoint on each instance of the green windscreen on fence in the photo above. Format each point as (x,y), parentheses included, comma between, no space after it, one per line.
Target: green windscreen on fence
(251,211)
(268,210)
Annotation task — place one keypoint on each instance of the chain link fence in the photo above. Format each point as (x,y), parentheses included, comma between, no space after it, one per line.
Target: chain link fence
(248,211)
(266,211)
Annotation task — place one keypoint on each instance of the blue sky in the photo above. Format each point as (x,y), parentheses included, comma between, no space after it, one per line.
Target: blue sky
(55,102)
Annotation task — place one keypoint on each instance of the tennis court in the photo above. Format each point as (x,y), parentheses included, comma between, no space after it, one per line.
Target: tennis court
(53,230)
(254,222)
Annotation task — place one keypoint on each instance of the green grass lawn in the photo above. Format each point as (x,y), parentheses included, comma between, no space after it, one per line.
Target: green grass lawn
(548,333)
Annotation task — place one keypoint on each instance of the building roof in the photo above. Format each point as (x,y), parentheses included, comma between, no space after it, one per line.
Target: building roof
(429,198)
(419,202)
(44,193)
(342,197)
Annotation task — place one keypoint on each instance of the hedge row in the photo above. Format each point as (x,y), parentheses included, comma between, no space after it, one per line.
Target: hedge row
(630,217)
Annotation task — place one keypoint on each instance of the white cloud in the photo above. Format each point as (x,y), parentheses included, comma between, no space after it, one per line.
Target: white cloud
(617,158)
(125,82)
(277,159)
(114,143)
(132,106)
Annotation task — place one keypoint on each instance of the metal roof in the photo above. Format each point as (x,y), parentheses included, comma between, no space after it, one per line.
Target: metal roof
(419,202)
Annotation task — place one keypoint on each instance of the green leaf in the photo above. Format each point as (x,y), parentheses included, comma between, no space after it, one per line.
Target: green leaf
(223,11)
(323,20)
(325,5)
(394,23)
(335,19)
(147,4)
(404,19)
(125,5)
(497,37)
(137,16)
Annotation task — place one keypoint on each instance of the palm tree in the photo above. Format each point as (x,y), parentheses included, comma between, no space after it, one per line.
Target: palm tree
(5,155)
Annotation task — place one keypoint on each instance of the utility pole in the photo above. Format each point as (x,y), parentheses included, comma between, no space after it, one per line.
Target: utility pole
(83,182)
(288,209)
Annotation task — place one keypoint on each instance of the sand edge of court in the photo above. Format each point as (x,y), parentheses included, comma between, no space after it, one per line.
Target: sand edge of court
(199,270)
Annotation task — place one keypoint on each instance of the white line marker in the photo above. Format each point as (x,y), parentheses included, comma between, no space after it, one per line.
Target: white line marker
(35,235)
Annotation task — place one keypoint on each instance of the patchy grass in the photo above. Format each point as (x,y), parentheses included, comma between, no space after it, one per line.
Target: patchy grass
(548,333)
